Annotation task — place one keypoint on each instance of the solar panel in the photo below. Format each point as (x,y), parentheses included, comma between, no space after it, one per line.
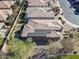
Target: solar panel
(43,31)
(37,34)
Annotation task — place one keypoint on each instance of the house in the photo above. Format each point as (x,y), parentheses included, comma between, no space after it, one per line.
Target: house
(36,29)
(41,23)
(5,10)
(6,4)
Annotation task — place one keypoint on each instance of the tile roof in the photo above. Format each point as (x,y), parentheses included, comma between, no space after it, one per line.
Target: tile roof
(1,25)
(42,13)
(4,11)
(1,18)
(6,4)
(38,2)
(3,5)
(3,15)
(41,21)
(40,29)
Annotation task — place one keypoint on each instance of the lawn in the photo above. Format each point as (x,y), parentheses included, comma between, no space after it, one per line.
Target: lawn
(1,40)
(67,57)
(70,57)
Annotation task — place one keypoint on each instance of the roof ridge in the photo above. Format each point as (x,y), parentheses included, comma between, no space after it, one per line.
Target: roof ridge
(2,17)
(5,4)
(56,33)
(29,26)
(34,21)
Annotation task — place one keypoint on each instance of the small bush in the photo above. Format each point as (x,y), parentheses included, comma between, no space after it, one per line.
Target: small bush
(60,18)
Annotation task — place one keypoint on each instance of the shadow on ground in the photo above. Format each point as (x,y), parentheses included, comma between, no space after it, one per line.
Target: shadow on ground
(40,41)
(44,40)
(18,33)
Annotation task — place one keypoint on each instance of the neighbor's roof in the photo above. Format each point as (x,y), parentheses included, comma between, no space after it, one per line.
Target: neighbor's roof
(3,5)
(3,15)
(1,18)
(6,4)
(3,32)
(1,22)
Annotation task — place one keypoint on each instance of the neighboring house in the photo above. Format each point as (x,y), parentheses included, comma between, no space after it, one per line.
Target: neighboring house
(5,10)
(6,4)
(41,21)
(1,21)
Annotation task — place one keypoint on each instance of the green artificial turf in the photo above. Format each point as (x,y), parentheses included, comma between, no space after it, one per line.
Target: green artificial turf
(1,40)
(67,57)
(70,57)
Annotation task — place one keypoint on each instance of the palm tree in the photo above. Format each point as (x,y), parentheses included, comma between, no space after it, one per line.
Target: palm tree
(56,10)
(21,1)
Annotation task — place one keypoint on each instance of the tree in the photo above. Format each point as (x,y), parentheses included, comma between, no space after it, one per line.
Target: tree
(18,49)
(56,10)
(60,18)
(21,1)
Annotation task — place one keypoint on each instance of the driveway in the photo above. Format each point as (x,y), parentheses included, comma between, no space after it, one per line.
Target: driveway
(69,13)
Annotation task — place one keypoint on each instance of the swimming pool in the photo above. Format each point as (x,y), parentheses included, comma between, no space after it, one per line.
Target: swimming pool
(69,13)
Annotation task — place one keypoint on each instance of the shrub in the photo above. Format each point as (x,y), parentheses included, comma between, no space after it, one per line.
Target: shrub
(60,18)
